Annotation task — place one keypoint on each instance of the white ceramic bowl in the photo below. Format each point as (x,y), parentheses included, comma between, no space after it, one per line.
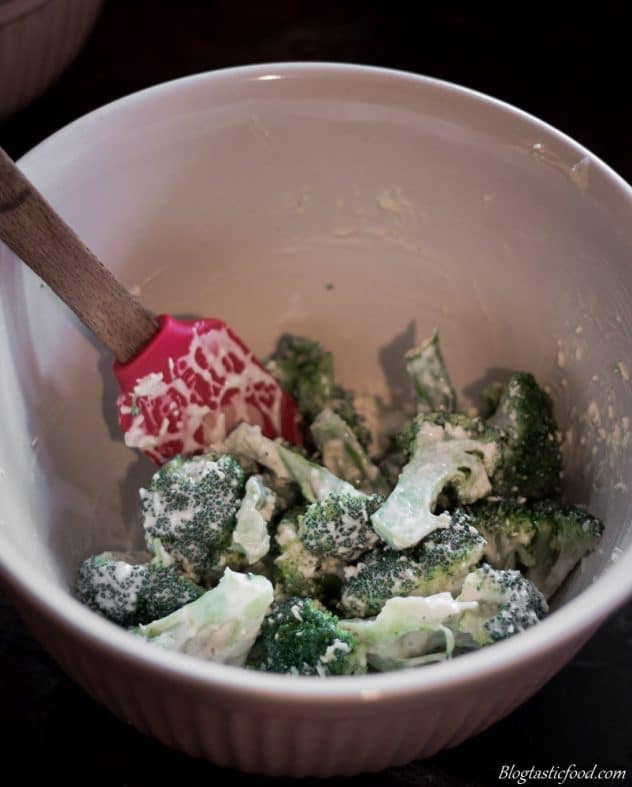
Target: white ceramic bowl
(38,39)
(242,194)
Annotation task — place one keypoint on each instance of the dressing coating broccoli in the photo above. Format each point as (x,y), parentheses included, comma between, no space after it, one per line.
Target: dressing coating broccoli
(339,525)
(449,452)
(343,454)
(299,572)
(221,625)
(431,382)
(531,462)
(250,536)
(128,589)
(409,632)
(314,480)
(507,603)
(189,510)
(544,538)
(302,638)
(440,562)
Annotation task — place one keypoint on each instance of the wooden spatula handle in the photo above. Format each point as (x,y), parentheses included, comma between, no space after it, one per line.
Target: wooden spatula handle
(42,239)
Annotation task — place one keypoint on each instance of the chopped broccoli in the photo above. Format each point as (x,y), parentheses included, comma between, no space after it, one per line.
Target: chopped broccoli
(508,529)
(507,603)
(339,525)
(544,538)
(299,572)
(189,510)
(343,454)
(128,589)
(409,632)
(343,403)
(432,384)
(314,480)
(306,370)
(221,625)
(448,452)
(250,536)
(438,563)
(302,638)
(531,463)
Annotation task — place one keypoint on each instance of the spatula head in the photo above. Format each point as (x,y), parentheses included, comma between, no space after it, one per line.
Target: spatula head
(191,385)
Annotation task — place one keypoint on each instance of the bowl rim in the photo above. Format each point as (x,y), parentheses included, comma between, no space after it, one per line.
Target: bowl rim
(574,622)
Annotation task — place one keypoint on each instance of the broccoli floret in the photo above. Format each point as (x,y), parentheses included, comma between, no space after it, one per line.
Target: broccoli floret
(189,510)
(409,632)
(128,589)
(306,371)
(343,454)
(299,572)
(431,382)
(339,525)
(314,480)
(343,404)
(250,536)
(450,452)
(507,603)
(564,535)
(508,529)
(531,463)
(221,625)
(546,539)
(438,563)
(302,638)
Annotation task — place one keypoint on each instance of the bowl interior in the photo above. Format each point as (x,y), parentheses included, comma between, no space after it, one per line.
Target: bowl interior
(358,207)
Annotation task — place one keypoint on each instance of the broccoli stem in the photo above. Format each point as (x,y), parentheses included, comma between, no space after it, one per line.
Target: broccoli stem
(430,378)
(343,454)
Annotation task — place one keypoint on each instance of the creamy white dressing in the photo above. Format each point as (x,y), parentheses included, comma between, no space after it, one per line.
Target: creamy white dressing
(221,625)
(250,536)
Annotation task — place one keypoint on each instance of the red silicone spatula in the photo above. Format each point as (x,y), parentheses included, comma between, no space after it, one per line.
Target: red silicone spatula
(184,383)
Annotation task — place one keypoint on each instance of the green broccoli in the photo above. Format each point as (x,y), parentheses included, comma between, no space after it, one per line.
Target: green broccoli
(343,454)
(314,480)
(449,452)
(339,525)
(189,510)
(544,538)
(128,589)
(344,404)
(302,638)
(221,625)
(531,463)
(250,536)
(306,371)
(438,563)
(507,603)
(409,632)
(299,572)
(432,384)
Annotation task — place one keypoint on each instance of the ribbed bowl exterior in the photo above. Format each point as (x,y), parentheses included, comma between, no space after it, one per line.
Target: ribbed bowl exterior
(37,41)
(275,739)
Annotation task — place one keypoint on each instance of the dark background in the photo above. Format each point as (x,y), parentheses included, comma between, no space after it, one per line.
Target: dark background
(572,69)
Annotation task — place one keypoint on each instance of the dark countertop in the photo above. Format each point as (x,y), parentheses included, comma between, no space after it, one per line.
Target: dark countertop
(571,69)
